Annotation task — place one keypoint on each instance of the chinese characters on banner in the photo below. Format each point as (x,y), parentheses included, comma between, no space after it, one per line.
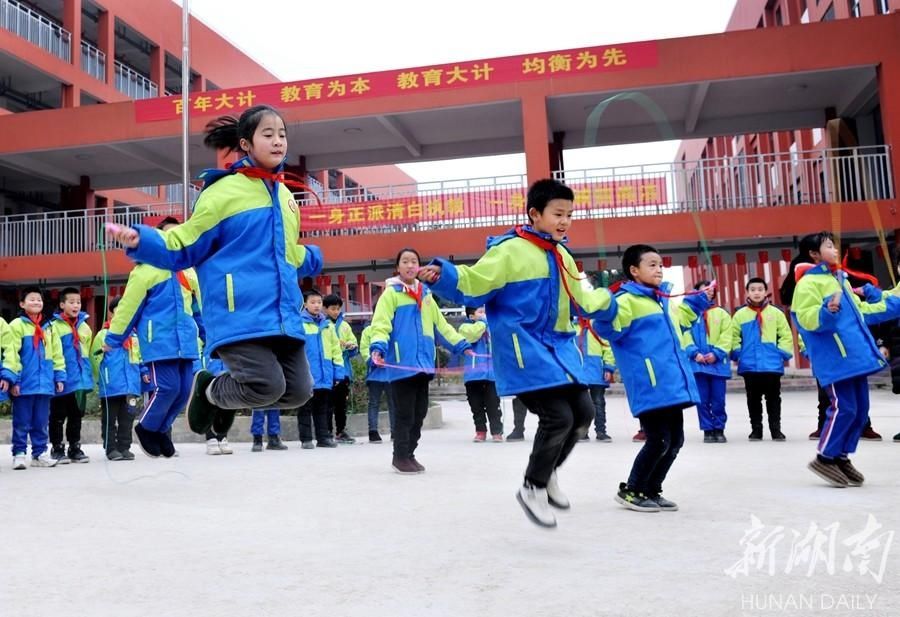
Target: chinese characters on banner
(495,71)
(488,203)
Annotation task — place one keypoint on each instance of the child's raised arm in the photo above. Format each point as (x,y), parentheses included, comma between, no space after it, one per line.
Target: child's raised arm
(469,285)
(181,246)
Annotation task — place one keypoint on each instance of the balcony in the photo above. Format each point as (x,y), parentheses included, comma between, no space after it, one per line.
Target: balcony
(46,34)
(93,61)
(134,85)
(705,186)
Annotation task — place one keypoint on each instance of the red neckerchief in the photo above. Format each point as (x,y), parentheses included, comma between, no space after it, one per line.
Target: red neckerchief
(414,294)
(76,342)
(185,283)
(38,337)
(759,311)
(859,275)
(127,343)
(706,320)
(290,180)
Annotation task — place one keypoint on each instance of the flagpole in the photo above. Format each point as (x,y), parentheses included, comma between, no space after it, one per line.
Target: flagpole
(185,105)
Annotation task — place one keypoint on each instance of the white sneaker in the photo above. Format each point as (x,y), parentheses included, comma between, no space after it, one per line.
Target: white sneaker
(534,501)
(43,460)
(224,447)
(19,461)
(555,495)
(212,447)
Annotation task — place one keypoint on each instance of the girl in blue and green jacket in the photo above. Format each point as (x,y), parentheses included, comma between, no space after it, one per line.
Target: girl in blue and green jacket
(243,240)
(478,376)
(834,322)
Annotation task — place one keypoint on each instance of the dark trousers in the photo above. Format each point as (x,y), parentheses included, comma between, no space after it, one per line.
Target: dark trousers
(339,398)
(598,396)
(316,411)
(761,385)
(664,429)
(564,416)
(265,373)
(65,409)
(115,423)
(376,389)
(410,407)
(485,406)
(519,413)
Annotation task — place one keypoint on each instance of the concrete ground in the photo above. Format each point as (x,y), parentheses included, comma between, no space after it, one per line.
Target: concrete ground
(335,532)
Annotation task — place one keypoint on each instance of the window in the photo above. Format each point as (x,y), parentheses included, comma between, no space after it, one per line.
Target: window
(828,15)
(881,6)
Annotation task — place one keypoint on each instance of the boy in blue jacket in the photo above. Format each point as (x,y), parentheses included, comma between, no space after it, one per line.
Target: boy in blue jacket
(334,310)
(659,383)
(530,286)
(323,352)
(33,370)
(70,326)
(478,376)
(599,367)
(121,376)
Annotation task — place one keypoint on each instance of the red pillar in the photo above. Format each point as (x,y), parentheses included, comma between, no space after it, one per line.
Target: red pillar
(72,23)
(343,287)
(106,42)
(158,68)
(888,73)
(536,136)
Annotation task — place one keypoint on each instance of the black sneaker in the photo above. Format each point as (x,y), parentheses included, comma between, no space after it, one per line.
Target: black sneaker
(374,437)
(58,454)
(777,435)
(147,440)
(633,500)
(584,437)
(343,437)
(76,455)
(127,455)
(166,447)
(420,468)
(829,471)
(275,443)
(516,436)
(257,444)
(755,435)
(720,436)
(328,442)
(664,504)
(200,412)
(114,455)
(603,437)
(854,476)
(897,437)
(709,437)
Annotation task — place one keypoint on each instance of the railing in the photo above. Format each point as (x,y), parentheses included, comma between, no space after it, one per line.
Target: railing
(133,84)
(73,231)
(93,61)
(174,193)
(36,28)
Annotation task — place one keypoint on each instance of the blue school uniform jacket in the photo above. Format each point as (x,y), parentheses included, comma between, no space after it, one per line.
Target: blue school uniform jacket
(373,373)
(345,335)
(709,331)
(649,349)
(598,357)
(839,344)
(404,333)
(479,367)
(242,239)
(520,286)
(323,350)
(118,372)
(36,370)
(4,343)
(761,340)
(160,308)
(77,352)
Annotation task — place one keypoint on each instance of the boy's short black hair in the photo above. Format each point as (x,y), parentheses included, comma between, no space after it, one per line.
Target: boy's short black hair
(632,257)
(114,303)
(701,284)
(68,290)
(332,300)
(31,289)
(311,292)
(169,220)
(756,279)
(543,192)
(470,310)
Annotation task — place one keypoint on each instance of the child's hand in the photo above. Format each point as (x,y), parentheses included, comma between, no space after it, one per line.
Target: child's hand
(126,236)
(710,358)
(145,378)
(469,353)
(4,386)
(429,274)
(377,360)
(608,376)
(834,305)
(106,348)
(60,386)
(700,358)
(885,352)
(15,390)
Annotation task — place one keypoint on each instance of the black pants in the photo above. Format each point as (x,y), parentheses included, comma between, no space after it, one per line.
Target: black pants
(339,397)
(824,403)
(664,429)
(410,407)
(519,413)
(564,416)
(265,373)
(759,385)
(115,423)
(65,408)
(316,411)
(485,406)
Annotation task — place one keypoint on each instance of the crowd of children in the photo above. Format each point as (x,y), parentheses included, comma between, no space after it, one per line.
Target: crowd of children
(212,321)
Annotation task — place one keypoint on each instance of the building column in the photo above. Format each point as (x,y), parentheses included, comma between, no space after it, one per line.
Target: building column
(198,83)
(71,95)
(536,137)
(72,23)
(158,68)
(106,42)
(888,75)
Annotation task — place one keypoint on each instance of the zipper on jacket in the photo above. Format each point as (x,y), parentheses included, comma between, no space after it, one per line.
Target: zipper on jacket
(840,344)
(518,350)
(650,371)
(229,292)
(149,330)
(397,351)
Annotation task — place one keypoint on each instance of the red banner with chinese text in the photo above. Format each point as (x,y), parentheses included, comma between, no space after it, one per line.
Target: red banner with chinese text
(500,203)
(493,71)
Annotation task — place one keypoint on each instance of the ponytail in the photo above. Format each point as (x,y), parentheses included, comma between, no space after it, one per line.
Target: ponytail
(227,131)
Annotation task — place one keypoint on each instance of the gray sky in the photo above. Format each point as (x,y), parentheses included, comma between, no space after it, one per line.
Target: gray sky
(299,40)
